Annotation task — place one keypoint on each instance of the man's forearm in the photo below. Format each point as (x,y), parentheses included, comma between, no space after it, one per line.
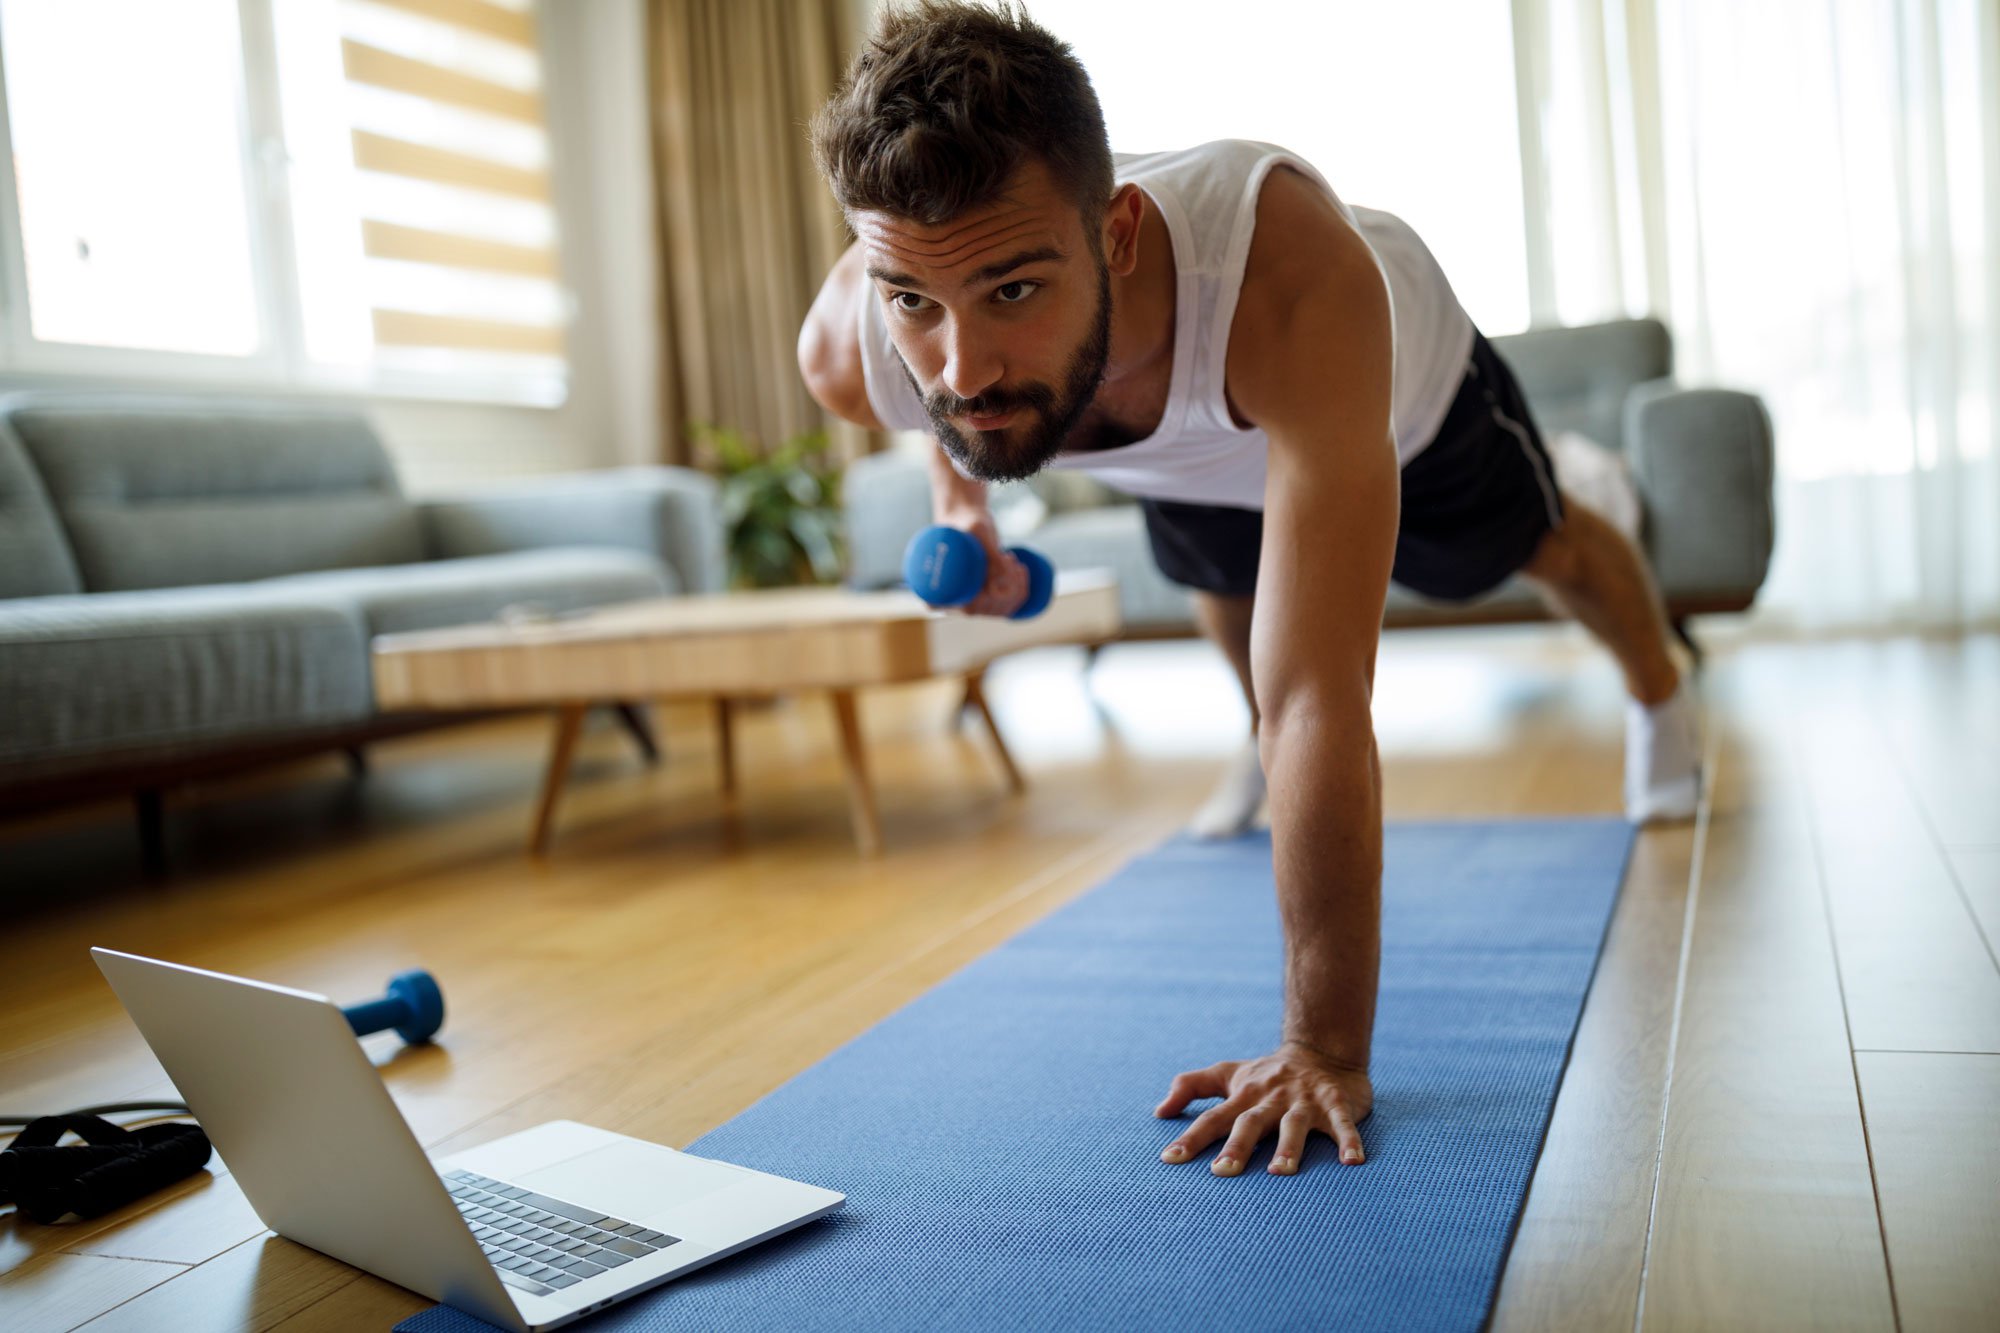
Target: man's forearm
(1326,826)
(955,498)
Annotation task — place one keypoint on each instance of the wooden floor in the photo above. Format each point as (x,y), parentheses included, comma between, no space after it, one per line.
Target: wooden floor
(1783,1108)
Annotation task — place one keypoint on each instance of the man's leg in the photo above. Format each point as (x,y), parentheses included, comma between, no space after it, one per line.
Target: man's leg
(1212,551)
(1589,570)
(1229,809)
(1591,573)
(1225,622)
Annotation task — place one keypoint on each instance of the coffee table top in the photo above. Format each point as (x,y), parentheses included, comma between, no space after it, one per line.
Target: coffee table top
(723,643)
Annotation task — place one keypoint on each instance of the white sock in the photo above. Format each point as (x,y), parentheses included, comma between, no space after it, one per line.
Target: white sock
(1663,758)
(1233,804)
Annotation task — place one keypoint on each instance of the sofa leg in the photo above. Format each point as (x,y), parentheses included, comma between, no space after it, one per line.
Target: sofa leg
(1686,636)
(634,718)
(147,804)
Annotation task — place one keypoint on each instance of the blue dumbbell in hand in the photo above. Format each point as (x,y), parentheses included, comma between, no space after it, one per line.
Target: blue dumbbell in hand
(414,1007)
(947,567)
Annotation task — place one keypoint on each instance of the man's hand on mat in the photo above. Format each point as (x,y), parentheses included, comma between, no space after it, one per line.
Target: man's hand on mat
(1294,1090)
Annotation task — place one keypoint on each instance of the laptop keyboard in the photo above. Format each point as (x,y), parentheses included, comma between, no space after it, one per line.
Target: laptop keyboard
(542,1245)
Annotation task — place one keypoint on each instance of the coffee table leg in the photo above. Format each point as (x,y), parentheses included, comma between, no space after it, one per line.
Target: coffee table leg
(569,723)
(975,695)
(725,747)
(860,796)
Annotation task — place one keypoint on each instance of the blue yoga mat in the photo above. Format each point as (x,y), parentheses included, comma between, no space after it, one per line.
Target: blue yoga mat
(998,1149)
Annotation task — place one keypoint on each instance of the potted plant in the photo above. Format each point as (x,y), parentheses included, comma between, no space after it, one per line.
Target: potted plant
(781,510)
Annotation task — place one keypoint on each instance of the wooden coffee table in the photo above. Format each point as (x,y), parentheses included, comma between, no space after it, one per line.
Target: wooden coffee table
(727,646)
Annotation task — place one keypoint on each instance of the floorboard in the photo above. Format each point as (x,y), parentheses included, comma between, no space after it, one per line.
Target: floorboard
(1765,1215)
(681,954)
(1934,1128)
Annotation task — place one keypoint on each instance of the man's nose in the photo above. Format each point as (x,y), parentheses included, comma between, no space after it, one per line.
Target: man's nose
(970,366)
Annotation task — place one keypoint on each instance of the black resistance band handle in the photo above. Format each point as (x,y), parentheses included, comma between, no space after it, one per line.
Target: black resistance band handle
(111,1167)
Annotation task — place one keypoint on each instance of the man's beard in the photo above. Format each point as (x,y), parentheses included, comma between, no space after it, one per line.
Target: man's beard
(1023,448)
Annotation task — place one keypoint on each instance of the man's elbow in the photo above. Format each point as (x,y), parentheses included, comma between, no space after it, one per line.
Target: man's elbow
(1319,723)
(833,376)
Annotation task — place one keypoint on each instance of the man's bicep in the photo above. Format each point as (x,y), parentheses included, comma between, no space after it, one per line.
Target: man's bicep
(1332,489)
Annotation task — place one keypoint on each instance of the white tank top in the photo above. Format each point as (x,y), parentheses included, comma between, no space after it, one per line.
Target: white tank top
(1207,196)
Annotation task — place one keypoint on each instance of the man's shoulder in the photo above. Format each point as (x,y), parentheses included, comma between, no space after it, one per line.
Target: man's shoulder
(1306,248)
(1313,290)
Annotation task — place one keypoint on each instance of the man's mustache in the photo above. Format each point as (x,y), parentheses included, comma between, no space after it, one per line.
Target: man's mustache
(942,405)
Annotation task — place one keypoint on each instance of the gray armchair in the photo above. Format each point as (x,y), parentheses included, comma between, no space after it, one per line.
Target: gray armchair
(1702,460)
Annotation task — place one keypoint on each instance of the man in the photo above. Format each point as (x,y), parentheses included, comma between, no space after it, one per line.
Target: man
(1291,389)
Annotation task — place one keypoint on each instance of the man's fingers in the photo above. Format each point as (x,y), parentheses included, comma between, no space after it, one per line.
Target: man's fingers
(1348,1138)
(1209,1126)
(1006,584)
(1293,1130)
(1251,1127)
(1191,1087)
(1006,588)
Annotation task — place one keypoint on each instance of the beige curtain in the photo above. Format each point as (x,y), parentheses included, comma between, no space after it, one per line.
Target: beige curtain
(747,228)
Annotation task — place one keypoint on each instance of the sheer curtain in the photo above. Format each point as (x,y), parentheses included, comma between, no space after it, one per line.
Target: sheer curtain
(1806,191)
(1809,194)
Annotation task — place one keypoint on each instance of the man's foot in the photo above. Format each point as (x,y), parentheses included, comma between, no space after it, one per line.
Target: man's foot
(1233,805)
(1663,758)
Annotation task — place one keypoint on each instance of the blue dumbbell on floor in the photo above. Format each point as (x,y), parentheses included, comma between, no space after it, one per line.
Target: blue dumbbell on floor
(414,1007)
(947,567)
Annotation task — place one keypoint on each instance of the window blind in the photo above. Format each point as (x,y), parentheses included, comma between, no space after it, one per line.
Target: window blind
(423,204)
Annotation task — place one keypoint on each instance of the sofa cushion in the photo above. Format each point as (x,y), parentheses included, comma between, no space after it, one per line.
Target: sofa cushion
(458,592)
(1114,538)
(159,492)
(34,558)
(1576,379)
(103,674)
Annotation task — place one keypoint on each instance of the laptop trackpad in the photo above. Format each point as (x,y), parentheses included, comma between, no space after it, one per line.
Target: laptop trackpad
(632,1181)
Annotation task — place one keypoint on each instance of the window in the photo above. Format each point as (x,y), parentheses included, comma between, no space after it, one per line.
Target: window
(320,193)
(134,227)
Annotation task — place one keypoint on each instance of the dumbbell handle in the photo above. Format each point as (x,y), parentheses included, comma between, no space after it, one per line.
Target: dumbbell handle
(414,1007)
(375,1015)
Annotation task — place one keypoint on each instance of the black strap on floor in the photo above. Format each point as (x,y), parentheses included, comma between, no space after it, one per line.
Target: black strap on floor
(110,1168)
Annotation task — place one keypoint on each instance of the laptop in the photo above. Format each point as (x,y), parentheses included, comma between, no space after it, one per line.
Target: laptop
(528,1232)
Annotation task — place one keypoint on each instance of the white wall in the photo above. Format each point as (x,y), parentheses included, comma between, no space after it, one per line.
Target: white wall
(594,53)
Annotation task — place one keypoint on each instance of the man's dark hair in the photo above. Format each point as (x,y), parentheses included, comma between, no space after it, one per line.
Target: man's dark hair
(946,101)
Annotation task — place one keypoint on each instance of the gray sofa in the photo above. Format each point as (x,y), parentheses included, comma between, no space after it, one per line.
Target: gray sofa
(189,583)
(1701,459)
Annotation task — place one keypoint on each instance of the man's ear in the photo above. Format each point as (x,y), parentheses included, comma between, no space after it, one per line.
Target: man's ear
(1121,230)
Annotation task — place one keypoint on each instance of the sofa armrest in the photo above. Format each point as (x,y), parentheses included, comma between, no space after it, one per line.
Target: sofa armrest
(1703,462)
(887,500)
(668,512)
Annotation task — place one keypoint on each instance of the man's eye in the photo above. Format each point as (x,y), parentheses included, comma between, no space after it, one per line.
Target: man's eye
(908,302)
(1013,293)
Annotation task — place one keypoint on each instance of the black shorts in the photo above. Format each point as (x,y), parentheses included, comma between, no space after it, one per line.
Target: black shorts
(1476,503)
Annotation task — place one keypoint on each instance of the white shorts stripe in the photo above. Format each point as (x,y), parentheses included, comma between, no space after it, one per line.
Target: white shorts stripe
(1535,461)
